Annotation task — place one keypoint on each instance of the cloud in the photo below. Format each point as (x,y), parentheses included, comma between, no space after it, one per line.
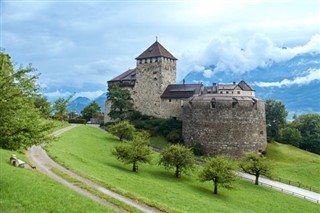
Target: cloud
(314,74)
(229,54)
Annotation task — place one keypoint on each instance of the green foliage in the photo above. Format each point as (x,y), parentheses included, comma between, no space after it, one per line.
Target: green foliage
(135,152)
(290,135)
(123,130)
(75,149)
(77,121)
(198,149)
(90,111)
(43,105)
(309,126)
(121,103)
(219,171)
(179,157)
(275,117)
(20,121)
(256,165)
(174,136)
(59,108)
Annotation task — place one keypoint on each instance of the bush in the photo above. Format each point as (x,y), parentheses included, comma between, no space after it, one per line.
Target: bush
(198,149)
(77,121)
(174,136)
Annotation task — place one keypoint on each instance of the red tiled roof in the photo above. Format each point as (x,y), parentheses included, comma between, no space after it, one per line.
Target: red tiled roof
(156,50)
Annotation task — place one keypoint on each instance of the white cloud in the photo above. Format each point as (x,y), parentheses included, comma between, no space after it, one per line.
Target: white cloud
(314,74)
(208,73)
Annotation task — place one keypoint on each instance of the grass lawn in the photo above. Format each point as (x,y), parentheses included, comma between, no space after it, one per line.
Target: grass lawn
(26,190)
(87,151)
(295,164)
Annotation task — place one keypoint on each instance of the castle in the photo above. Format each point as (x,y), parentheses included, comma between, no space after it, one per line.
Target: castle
(226,119)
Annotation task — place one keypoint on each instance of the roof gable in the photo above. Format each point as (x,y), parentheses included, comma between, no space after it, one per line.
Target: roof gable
(244,86)
(156,50)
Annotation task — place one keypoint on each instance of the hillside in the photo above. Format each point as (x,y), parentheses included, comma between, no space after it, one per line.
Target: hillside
(78,148)
(77,104)
(294,82)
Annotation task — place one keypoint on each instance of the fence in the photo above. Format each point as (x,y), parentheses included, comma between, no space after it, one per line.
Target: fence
(298,184)
(286,191)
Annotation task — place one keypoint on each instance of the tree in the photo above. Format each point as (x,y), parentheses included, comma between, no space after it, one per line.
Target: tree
(60,108)
(123,129)
(219,171)
(178,157)
(43,105)
(20,123)
(290,135)
(135,152)
(256,165)
(275,117)
(309,126)
(121,103)
(90,110)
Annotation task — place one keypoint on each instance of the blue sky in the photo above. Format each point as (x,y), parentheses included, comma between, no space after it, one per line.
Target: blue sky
(78,45)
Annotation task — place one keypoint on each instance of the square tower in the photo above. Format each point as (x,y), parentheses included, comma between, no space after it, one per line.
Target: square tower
(156,69)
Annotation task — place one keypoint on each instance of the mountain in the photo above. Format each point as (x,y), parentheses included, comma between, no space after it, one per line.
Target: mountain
(295,82)
(79,103)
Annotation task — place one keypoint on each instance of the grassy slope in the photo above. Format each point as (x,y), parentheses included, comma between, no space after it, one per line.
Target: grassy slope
(295,164)
(88,151)
(26,190)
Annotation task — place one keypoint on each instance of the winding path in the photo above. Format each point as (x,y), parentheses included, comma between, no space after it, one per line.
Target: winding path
(43,162)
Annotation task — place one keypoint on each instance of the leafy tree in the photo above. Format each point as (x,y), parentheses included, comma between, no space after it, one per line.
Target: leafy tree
(135,152)
(219,171)
(123,129)
(275,117)
(90,110)
(42,103)
(178,157)
(121,103)
(256,165)
(309,126)
(20,122)
(60,108)
(290,135)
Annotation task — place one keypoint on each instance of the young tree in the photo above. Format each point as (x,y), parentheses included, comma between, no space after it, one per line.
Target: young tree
(290,135)
(256,165)
(123,129)
(135,152)
(178,157)
(60,108)
(90,110)
(276,115)
(121,103)
(219,171)
(20,123)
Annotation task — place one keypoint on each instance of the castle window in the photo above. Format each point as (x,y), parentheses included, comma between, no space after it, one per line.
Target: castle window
(156,59)
(234,104)
(155,78)
(221,92)
(140,61)
(213,105)
(227,92)
(238,92)
(261,132)
(169,99)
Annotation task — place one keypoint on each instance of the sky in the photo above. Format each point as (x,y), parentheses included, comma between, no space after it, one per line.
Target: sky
(78,46)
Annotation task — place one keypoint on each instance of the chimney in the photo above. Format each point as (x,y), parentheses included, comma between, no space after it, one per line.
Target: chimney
(183,81)
(234,83)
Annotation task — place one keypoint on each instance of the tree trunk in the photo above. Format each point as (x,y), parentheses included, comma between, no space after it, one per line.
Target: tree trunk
(257,179)
(215,191)
(134,167)
(177,171)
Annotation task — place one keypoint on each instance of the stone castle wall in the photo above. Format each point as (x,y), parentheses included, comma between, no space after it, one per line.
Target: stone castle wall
(152,79)
(228,129)
(171,108)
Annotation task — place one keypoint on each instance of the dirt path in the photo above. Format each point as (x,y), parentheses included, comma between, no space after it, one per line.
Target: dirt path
(43,162)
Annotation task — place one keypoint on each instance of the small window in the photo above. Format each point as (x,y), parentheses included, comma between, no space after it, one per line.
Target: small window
(261,132)
(221,92)
(227,92)
(238,92)
(155,78)
(169,99)
(234,104)
(213,105)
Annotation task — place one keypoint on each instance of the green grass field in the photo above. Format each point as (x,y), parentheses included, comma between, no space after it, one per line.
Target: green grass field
(295,164)
(26,190)
(87,151)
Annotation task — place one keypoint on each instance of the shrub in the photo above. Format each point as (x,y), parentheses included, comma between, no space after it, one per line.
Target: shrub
(174,136)
(77,121)
(198,149)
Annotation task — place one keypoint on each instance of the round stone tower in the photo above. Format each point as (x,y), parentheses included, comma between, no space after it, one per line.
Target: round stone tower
(156,69)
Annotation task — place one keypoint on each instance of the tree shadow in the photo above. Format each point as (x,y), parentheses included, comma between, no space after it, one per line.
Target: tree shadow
(208,192)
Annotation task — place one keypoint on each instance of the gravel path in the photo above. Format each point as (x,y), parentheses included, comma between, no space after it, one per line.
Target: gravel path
(43,162)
